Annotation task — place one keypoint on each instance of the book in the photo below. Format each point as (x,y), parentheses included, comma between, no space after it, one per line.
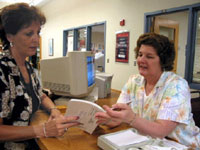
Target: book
(86,111)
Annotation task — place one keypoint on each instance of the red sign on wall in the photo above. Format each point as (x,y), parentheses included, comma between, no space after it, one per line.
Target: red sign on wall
(122,47)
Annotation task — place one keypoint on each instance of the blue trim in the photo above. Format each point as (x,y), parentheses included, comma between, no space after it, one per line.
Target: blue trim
(65,33)
(155,13)
(171,10)
(188,65)
(195,86)
(88,38)
(104,47)
(147,22)
(89,25)
(75,40)
(193,38)
(190,55)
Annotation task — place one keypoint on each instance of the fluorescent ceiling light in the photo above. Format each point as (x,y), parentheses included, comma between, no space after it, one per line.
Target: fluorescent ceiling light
(31,2)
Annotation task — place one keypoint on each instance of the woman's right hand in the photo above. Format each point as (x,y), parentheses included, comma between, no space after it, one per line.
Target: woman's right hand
(56,127)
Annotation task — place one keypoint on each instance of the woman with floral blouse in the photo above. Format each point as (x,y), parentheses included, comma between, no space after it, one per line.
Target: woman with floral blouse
(159,99)
(20,91)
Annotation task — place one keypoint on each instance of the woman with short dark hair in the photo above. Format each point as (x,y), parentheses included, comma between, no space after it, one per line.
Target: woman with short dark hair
(164,49)
(159,99)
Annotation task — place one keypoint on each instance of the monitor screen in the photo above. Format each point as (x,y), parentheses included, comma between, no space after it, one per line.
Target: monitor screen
(90,70)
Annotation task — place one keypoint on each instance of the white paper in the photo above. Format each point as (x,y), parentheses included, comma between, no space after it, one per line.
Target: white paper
(173,144)
(153,147)
(126,138)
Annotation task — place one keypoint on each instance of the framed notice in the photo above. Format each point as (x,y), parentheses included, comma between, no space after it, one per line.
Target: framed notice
(122,47)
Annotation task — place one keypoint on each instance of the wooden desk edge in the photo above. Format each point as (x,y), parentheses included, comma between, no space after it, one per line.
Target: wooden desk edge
(41,117)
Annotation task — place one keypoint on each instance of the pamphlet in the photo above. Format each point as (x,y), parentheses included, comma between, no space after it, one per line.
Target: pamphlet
(86,111)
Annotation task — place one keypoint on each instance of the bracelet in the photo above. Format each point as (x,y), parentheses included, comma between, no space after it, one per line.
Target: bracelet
(133,120)
(44,130)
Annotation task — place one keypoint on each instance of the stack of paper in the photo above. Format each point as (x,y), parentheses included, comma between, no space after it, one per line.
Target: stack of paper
(122,140)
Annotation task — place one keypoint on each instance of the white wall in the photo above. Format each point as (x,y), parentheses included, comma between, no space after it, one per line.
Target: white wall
(62,16)
(65,14)
(2,4)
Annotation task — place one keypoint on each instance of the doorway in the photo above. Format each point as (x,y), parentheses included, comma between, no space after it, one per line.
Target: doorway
(188,47)
(170,29)
(174,26)
(98,46)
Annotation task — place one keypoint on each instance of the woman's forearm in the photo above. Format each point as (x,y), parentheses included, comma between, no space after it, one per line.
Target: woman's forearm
(47,103)
(18,133)
(156,129)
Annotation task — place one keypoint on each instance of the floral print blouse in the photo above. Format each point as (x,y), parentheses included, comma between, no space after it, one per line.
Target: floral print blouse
(169,100)
(15,102)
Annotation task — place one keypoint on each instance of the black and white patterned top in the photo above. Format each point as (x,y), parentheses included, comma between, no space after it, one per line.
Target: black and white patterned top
(16,103)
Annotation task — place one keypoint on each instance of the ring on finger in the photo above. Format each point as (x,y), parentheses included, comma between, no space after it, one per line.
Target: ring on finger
(66,129)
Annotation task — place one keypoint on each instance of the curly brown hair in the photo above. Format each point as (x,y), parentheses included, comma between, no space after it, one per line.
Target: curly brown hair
(17,16)
(163,46)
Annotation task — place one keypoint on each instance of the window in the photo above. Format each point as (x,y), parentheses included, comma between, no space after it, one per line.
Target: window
(196,66)
(87,38)
(70,38)
(81,44)
(97,46)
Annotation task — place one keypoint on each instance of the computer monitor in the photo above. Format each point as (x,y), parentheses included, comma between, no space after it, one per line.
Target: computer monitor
(72,75)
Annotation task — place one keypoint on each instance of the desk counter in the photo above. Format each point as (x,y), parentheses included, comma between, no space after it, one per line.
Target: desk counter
(75,138)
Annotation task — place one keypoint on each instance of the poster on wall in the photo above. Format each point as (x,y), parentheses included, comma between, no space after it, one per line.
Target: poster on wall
(122,46)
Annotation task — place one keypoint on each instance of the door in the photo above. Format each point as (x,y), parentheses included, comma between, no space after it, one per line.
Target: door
(170,29)
(98,46)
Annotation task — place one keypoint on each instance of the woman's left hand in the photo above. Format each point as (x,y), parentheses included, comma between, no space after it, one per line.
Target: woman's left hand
(104,119)
(54,114)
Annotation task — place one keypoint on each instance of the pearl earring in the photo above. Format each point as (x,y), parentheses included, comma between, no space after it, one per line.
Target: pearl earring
(11,44)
